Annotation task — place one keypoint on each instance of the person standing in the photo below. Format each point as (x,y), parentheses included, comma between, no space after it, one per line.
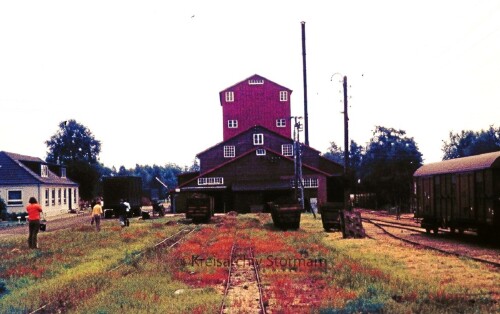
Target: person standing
(122,213)
(96,215)
(34,209)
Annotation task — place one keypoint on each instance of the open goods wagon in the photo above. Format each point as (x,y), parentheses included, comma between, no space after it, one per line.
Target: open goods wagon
(459,194)
(330,215)
(200,208)
(286,216)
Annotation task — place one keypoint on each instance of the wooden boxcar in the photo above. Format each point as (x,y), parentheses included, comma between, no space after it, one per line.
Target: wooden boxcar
(200,208)
(459,194)
(118,188)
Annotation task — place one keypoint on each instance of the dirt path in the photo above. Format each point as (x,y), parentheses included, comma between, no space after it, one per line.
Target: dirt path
(53,224)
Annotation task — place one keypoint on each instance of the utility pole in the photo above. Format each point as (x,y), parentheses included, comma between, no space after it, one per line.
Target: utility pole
(346,147)
(346,129)
(297,158)
(306,123)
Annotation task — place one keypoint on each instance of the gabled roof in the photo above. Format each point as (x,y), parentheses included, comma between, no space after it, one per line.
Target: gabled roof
(255,77)
(250,129)
(246,154)
(471,163)
(14,171)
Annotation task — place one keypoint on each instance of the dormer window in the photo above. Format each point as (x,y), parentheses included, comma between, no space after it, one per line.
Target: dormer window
(283,95)
(258,139)
(44,173)
(229,96)
(63,172)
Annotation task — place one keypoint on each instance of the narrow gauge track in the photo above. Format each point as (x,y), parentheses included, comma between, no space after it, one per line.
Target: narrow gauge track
(434,240)
(399,225)
(166,243)
(243,283)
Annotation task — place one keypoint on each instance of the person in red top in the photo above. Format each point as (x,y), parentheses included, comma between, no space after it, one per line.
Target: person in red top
(34,209)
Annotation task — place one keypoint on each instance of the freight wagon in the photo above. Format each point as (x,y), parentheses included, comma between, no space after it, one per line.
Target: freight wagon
(459,194)
(128,188)
(200,208)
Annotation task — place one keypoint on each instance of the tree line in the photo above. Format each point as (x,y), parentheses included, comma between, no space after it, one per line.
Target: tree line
(383,168)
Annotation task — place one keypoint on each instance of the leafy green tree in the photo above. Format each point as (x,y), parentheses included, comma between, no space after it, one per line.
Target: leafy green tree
(470,143)
(166,174)
(335,153)
(74,147)
(72,142)
(87,175)
(388,165)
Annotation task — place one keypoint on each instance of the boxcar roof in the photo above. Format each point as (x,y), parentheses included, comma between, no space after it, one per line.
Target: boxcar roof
(471,163)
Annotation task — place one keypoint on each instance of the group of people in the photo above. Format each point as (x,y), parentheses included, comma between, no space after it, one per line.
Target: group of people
(123,212)
(35,211)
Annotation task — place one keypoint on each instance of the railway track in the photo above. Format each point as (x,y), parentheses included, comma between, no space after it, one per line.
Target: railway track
(243,292)
(166,244)
(438,244)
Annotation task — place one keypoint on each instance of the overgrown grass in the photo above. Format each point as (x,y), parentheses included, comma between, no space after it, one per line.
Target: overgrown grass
(303,271)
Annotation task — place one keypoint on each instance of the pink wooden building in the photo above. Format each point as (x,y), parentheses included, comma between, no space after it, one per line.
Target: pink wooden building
(255,101)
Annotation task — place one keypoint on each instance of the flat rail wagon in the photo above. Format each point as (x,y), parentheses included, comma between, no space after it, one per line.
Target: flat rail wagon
(459,194)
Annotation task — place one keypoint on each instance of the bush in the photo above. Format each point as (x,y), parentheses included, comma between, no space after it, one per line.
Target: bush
(3,209)
(3,288)
(13,216)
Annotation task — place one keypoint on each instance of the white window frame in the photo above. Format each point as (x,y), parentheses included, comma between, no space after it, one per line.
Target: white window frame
(53,197)
(258,139)
(229,151)
(229,96)
(287,149)
(308,183)
(283,95)
(211,181)
(47,197)
(44,171)
(63,172)
(232,124)
(256,82)
(280,123)
(260,152)
(14,201)
(65,196)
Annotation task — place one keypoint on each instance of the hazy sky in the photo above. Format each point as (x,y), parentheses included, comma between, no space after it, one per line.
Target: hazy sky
(145,76)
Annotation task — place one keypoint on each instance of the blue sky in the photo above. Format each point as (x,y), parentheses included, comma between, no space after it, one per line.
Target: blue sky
(144,76)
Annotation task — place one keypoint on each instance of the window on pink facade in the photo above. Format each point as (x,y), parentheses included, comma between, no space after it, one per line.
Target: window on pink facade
(229,96)
(232,124)
(281,123)
(283,95)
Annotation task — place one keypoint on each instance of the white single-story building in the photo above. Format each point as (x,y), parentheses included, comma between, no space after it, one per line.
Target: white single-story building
(22,177)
